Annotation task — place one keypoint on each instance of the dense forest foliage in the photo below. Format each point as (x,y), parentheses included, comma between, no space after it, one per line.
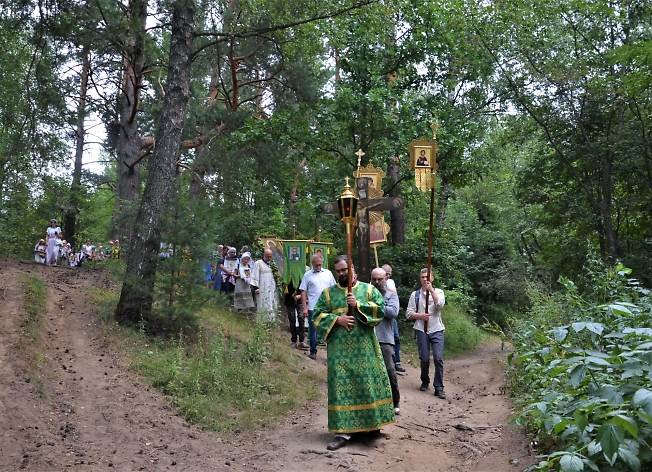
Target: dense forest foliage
(216,121)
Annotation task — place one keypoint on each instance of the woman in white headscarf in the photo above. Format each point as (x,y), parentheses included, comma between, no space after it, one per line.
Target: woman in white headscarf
(243,299)
(40,251)
(51,236)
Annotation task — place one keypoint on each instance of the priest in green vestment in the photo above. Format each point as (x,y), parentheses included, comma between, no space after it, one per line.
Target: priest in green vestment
(359,393)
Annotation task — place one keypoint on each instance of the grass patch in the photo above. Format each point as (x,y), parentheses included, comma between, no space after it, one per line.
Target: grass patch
(31,342)
(237,376)
(462,335)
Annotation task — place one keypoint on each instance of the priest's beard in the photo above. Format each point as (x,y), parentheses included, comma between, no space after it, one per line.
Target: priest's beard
(344,280)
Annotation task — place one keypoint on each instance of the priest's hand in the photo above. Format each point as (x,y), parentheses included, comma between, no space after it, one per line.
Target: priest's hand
(346,321)
(351,301)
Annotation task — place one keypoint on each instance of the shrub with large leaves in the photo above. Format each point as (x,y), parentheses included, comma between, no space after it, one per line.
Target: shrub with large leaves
(586,384)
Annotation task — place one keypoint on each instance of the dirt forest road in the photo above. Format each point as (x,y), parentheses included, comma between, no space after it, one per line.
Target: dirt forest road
(95,415)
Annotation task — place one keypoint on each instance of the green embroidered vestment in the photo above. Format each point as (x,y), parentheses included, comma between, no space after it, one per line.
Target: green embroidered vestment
(359,394)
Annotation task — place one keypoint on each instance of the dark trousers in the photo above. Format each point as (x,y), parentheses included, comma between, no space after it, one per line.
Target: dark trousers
(388,356)
(228,288)
(431,342)
(217,279)
(397,343)
(312,334)
(295,312)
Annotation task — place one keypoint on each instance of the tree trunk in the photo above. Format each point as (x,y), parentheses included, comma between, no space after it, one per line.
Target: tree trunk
(611,239)
(293,193)
(397,217)
(70,218)
(195,191)
(443,202)
(128,145)
(136,298)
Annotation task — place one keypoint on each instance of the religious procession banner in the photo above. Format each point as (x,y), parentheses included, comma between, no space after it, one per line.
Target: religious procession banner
(295,261)
(378,231)
(323,249)
(423,159)
(274,244)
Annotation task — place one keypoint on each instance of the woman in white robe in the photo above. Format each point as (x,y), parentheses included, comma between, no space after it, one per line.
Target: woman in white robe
(243,299)
(263,279)
(40,251)
(51,236)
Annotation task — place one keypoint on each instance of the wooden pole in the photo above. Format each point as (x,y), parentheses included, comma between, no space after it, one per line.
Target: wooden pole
(432,213)
(349,257)
(376,254)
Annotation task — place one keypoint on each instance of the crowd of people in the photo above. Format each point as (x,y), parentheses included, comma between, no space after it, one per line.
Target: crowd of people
(56,251)
(363,396)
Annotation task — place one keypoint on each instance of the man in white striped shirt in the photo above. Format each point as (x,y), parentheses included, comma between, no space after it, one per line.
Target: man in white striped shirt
(431,338)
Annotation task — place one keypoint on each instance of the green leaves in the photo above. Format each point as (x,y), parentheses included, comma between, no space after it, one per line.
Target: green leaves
(610,436)
(643,399)
(571,463)
(596,328)
(593,412)
(577,374)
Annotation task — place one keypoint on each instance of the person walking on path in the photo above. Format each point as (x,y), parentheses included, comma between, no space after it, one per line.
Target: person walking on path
(227,268)
(385,332)
(391,286)
(312,285)
(359,393)
(294,308)
(217,277)
(51,236)
(40,251)
(243,300)
(265,282)
(433,339)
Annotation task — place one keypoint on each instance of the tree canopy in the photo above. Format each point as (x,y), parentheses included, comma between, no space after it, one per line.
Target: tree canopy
(543,112)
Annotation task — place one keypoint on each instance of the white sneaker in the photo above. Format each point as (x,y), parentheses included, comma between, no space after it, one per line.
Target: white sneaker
(397,411)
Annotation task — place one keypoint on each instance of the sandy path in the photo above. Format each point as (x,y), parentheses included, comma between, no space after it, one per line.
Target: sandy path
(98,416)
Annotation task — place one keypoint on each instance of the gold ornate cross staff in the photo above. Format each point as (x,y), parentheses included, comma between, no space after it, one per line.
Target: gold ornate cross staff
(359,154)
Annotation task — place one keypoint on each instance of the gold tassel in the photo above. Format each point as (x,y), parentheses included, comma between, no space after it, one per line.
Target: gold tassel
(423,178)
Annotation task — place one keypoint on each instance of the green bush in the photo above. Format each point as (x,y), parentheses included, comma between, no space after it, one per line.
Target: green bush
(582,373)
(462,334)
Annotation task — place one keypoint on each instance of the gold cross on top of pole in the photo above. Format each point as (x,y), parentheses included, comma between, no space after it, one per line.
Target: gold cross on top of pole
(359,154)
(434,128)
(347,181)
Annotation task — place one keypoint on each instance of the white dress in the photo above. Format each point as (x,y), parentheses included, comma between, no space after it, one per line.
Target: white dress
(52,253)
(242,297)
(266,300)
(37,256)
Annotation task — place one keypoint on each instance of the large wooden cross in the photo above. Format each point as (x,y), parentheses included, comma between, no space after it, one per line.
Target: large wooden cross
(365,205)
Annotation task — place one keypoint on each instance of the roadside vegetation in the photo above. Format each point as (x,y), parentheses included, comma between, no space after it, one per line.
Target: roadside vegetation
(233,374)
(582,372)
(31,343)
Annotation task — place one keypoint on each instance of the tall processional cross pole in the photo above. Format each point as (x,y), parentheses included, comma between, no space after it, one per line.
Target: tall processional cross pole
(364,206)
(423,159)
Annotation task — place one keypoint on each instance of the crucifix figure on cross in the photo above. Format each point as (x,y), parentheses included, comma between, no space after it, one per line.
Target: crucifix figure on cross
(365,205)
(359,154)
